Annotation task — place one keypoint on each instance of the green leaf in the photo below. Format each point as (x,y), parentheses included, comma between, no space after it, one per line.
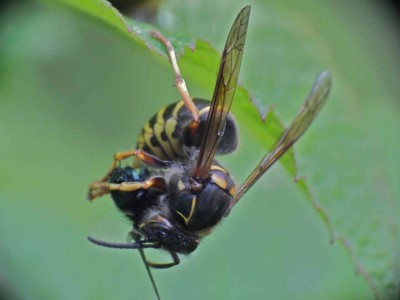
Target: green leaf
(349,156)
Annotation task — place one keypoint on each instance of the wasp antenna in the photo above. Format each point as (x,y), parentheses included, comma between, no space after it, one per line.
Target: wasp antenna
(153,282)
(137,245)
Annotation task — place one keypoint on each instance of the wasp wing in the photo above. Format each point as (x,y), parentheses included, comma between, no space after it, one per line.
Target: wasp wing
(304,118)
(223,94)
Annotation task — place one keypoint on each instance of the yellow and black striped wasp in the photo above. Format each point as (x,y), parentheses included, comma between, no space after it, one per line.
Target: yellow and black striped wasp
(175,193)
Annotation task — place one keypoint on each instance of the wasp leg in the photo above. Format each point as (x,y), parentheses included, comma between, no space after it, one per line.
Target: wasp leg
(174,256)
(151,160)
(140,154)
(135,235)
(96,194)
(118,157)
(98,188)
(179,81)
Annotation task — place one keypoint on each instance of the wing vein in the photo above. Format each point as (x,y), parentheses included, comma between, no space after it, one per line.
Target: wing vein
(223,94)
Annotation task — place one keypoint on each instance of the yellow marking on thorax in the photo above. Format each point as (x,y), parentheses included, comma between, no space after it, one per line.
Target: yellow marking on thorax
(186,220)
(219,180)
(181,185)
(232,191)
(218,168)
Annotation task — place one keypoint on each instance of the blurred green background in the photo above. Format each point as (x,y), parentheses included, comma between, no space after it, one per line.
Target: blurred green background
(73,91)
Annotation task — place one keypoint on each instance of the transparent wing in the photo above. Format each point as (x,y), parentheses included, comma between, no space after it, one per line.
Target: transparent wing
(304,118)
(223,93)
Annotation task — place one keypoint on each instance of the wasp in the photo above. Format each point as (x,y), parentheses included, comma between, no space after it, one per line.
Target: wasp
(175,192)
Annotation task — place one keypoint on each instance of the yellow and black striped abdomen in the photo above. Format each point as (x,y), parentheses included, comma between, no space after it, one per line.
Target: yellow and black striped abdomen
(162,135)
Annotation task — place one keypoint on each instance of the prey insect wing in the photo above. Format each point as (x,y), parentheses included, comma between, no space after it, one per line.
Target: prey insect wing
(223,93)
(300,124)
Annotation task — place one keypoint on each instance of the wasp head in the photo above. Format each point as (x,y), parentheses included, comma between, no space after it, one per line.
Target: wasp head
(160,230)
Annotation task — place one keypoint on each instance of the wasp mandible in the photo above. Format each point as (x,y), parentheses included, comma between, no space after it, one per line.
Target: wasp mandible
(175,193)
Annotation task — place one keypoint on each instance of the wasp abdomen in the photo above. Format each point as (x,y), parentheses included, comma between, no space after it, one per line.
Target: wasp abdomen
(166,136)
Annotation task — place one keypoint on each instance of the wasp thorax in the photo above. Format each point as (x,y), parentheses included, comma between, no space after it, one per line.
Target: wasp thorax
(198,206)
(196,185)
